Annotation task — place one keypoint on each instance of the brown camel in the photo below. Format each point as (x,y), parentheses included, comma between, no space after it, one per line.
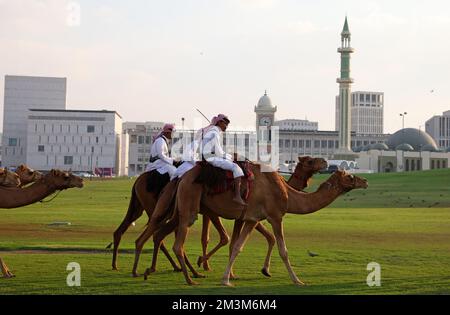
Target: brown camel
(271,199)
(8,178)
(14,197)
(27,175)
(306,167)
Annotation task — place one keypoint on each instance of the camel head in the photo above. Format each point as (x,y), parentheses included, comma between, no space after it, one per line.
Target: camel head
(345,181)
(309,165)
(27,175)
(63,180)
(8,178)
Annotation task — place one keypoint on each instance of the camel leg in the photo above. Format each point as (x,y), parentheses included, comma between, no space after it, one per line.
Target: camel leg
(179,250)
(206,224)
(237,248)
(270,243)
(169,257)
(5,271)
(237,227)
(279,235)
(139,244)
(158,238)
(132,215)
(224,239)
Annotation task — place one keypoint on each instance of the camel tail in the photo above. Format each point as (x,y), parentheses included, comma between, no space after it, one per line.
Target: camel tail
(132,206)
(171,209)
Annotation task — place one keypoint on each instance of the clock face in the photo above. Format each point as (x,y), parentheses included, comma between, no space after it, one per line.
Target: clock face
(265,121)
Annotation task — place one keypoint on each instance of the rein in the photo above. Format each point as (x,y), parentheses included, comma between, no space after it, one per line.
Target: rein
(51,199)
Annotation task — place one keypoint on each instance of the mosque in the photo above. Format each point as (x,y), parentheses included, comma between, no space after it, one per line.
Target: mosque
(408,149)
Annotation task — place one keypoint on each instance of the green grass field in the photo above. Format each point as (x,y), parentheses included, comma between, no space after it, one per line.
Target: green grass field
(402,222)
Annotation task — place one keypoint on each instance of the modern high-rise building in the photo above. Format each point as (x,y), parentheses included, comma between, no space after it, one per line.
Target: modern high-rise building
(80,140)
(438,127)
(23,93)
(367,112)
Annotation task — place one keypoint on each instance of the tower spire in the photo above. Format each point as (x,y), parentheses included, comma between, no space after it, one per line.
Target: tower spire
(345,82)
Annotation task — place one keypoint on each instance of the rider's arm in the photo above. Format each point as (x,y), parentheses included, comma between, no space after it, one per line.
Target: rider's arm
(160,150)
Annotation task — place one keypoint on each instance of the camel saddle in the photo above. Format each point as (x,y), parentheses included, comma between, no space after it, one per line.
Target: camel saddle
(218,180)
(156,181)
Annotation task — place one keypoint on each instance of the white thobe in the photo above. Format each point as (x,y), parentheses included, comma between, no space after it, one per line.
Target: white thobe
(215,155)
(164,163)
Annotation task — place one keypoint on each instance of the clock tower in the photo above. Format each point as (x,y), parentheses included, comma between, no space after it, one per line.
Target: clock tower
(265,114)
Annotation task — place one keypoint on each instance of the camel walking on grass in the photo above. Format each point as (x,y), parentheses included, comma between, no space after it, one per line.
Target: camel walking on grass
(15,197)
(271,199)
(306,167)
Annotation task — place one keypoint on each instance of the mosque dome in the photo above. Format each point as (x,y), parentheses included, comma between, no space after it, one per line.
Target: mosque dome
(414,137)
(265,101)
(404,147)
(379,146)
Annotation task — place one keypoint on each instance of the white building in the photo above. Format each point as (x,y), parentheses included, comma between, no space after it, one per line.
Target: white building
(297,124)
(366,112)
(21,94)
(80,140)
(439,128)
(140,136)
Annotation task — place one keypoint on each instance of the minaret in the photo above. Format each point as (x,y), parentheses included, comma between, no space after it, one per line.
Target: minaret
(344,150)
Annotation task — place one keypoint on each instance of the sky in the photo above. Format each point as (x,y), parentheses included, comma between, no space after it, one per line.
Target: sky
(160,60)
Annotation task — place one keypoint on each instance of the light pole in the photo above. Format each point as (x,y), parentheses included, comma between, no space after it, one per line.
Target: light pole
(403,119)
(403,136)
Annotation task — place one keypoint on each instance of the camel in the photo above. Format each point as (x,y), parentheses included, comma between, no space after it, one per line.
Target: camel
(27,175)
(14,197)
(306,167)
(8,178)
(142,200)
(304,170)
(271,199)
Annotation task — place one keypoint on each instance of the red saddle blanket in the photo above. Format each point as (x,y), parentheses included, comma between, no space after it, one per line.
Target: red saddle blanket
(218,180)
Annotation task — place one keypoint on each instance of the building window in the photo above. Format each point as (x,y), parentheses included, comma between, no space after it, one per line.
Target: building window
(12,142)
(40,148)
(308,143)
(324,144)
(301,143)
(316,144)
(147,139)
(330,144)
(287,143)
(96,139)
(68,160)
(141,140)
(133,139)
(90,129)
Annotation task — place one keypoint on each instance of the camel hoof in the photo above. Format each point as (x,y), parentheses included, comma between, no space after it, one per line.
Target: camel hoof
(266,272)
(9,276)
(135,275)
(300,283)
(199,261)
(192,282)
(115,268)
(177,269)
(234,277)
(227,284)
(198,275)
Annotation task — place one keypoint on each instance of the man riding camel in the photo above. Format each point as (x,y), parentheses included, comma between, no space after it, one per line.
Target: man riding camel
(160,159)
(214,154)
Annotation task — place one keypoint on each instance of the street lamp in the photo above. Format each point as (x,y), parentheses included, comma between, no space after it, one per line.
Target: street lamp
(403,119)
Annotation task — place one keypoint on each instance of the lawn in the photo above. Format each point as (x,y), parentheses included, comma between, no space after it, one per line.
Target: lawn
(402,222)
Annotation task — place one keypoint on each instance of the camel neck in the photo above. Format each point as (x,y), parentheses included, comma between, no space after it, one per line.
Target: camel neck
(299,182)
(19,197)
(305,203)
